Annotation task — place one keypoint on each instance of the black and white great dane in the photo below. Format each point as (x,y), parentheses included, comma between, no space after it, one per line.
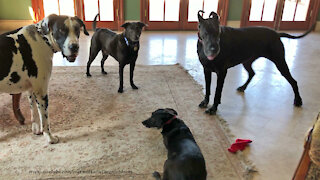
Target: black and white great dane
(26,62)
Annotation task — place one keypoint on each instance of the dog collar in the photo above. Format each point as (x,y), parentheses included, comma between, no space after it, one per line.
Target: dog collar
(170,120)
(126,40)
(38,27)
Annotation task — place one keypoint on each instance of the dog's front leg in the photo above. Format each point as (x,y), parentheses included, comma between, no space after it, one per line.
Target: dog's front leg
(34,114)
(42,103)
(121,67)
(217,97)
(132,65)
(207,75)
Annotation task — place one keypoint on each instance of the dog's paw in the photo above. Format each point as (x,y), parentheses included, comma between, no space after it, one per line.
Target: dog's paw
(241,89)
(203,104)
(156,175)
(88,74)
(298,102)
(120,90)
(134,87)
(53,140)
(104,72)
(36,129)
(211,111)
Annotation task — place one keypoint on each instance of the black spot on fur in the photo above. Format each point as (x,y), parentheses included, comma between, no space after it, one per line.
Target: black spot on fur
(7,48)
(12,32)
(14,77)
(26,53)
(46,101)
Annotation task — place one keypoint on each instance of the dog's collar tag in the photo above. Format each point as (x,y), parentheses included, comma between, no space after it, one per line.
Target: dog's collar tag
(126,40)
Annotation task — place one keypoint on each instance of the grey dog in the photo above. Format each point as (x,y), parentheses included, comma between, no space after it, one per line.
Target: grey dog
(123,47)
(220,48)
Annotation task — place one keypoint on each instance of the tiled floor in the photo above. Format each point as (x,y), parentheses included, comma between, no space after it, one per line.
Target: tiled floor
(265,113)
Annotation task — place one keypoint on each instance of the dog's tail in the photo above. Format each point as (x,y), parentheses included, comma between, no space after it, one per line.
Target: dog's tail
(297,37)
(94,24)
(156,175)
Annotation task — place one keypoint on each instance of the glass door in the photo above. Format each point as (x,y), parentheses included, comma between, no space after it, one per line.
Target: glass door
(262,13)
(59,7)
(296,14)
(163,14)
(108,10)
(191,21)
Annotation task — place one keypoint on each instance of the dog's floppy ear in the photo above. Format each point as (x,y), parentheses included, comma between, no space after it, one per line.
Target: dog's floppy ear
(214,15)
(141,24)
(47,23)
(200,18)
(82,25)
(171,111)
(125,25)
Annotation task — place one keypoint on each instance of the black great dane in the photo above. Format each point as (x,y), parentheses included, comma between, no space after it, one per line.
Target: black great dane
(220,48)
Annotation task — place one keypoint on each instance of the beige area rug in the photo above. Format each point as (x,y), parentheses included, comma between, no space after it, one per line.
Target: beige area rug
(101,135)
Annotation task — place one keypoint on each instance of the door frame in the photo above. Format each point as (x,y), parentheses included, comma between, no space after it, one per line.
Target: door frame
(277,24)
(179,25)
(37,6)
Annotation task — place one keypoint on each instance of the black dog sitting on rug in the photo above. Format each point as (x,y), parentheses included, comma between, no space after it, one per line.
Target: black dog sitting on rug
(220,48)
(123,47)
(185,160)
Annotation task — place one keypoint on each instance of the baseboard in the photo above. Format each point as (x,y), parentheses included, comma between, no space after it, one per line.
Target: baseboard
(8,25)
(235,24)
(317,28)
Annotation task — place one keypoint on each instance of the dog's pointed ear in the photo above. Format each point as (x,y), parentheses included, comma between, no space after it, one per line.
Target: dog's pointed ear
(214,15)
(47,23)
(171,111)
(125,25)
(82,25)
(141,24)
(200,18)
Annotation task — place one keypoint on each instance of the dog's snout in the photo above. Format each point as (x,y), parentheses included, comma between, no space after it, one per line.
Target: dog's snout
(74,47)
(212,48)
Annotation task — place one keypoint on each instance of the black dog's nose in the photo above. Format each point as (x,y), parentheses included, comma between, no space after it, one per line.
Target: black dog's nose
(74,47)
(212,48)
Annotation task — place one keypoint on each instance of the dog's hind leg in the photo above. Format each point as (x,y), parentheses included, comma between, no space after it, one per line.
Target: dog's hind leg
(16,108)
(278,59)
(93,53)
(102,64)
(248,66)
(34,115)
(284,70)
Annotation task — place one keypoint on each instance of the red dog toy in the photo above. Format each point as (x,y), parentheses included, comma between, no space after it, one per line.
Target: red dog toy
(240,144)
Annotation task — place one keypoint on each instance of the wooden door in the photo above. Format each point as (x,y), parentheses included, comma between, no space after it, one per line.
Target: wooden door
(296,14)
(179,14)
(108,10)
(280,14)
(190,20)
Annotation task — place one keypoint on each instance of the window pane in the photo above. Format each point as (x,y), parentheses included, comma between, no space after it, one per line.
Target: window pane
(172,10)
(194,7)
(66,7)
(50,7)
(156,9)
(269,10)
(106,10)
(288,11)
(90,9)
(302,10)
(256,10)
(209,6)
